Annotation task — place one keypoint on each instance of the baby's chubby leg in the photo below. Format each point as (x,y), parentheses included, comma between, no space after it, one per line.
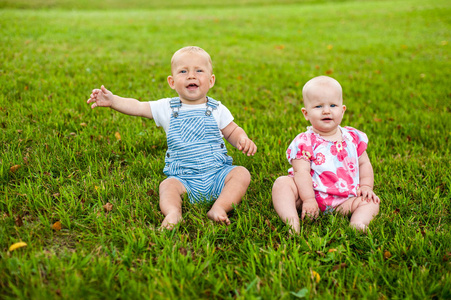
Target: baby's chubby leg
(235,186)
(363,211)
(171,191)
(286,201)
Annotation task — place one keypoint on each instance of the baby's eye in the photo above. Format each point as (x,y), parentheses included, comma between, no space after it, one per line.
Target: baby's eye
(183,71)
(333,105)
(318,106)
(199,71)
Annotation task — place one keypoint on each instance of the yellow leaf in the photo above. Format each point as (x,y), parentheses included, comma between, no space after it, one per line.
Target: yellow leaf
(332,250)
(56,226)
(316,276)
(387,254)
(117,135)
(17,245)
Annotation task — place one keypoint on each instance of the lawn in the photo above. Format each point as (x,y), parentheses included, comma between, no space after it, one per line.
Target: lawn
(80,186)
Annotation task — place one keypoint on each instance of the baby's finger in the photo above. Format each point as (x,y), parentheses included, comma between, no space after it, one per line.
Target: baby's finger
(104,90)
(92,98)
(365,195)
(245,145)
(252,148)
(240,147)
(376,199)
(359,192)
(309,212)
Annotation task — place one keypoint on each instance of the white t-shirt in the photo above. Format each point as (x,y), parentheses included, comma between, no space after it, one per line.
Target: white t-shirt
(161,112)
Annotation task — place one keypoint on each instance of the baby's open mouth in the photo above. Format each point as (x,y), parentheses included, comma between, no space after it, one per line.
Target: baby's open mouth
(327,119)
(192,85)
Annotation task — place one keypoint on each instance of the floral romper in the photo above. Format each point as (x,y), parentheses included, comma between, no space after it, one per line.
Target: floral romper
(334,165)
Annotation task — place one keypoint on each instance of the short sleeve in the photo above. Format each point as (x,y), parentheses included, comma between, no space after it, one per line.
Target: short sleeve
(300,148)
(161,112)
(224,116)
(359,139)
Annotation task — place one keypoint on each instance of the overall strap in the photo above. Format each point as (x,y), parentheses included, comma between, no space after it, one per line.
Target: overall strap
(175,106)
(212,104)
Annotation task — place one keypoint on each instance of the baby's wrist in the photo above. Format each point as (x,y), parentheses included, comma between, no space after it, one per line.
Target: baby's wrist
(365,185)
(309,200)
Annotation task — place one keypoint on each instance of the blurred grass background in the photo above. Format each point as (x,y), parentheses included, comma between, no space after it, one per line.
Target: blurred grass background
(62,162)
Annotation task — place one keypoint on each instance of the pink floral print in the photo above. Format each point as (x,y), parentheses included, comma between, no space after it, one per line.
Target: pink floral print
(334,165)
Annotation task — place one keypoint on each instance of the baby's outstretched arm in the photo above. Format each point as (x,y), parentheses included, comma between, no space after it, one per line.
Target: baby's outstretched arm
(104,98)
(236,136)
(304,183)
(366,179)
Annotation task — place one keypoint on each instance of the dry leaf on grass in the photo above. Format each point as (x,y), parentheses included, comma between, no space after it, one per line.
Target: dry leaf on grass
(315,276)
(56,226)
(183,251)
(17,245)
(340,266)
(117,135)
(14,168)
(108,207)
(18,221)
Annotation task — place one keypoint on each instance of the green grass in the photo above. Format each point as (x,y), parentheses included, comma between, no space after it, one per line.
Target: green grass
(393,60)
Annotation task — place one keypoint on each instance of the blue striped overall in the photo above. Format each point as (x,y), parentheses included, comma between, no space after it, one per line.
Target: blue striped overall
(197,155)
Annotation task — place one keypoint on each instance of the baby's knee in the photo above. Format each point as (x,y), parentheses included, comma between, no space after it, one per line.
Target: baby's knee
(165,183)
(370,206)
(170,184)
(282,182)
(242,174)
(375,207)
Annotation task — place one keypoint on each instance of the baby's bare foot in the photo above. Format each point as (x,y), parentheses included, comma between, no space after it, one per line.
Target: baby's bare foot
(170,221)
(295,227)
(219,215)
(359,226)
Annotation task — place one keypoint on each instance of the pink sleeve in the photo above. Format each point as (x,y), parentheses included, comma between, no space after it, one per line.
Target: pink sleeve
(300,148)
(359,139)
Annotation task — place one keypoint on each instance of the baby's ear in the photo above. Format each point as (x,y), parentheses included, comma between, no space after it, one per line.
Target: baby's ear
(304,112)
(212,80)
(171,82)
(344,108)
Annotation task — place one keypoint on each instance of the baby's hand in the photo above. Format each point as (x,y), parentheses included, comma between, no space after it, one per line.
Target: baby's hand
(101,97)
(310,208)
(246,145)
(367,194)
